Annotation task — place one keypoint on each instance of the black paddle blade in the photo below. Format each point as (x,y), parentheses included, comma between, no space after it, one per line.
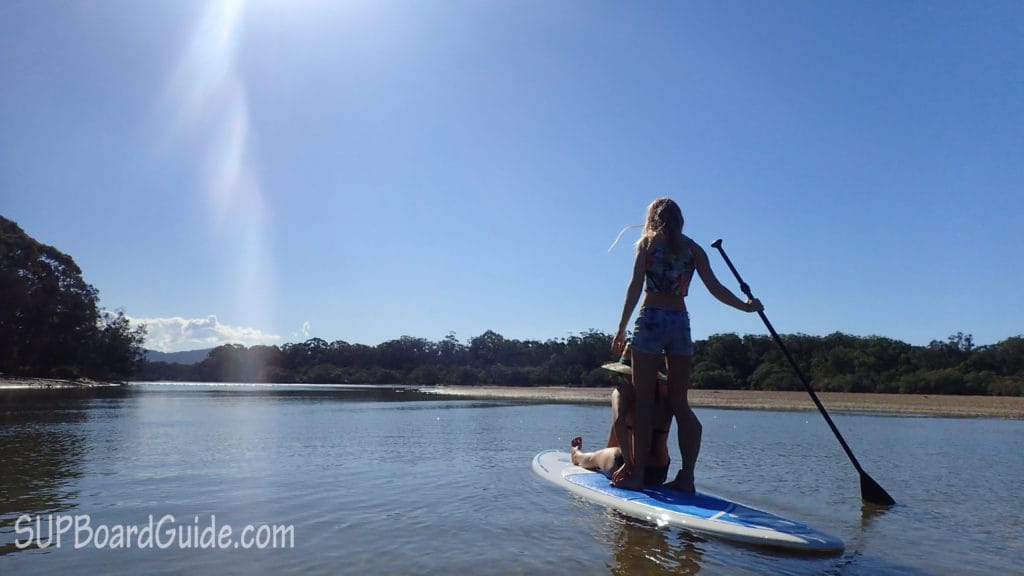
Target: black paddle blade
(870,491)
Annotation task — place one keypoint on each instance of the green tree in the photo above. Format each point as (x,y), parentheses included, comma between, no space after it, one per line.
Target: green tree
(50,321)
(837,362)
(728,353)
(487,348)
(770,376)
(116,349)
(451,351)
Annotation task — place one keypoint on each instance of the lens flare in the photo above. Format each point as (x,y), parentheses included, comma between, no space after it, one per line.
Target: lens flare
(208,111)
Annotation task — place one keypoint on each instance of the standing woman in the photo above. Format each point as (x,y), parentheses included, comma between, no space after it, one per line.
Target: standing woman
(664,266)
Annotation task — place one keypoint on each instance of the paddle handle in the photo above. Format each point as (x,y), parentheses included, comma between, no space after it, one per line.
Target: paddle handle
(870,490)
(745,288)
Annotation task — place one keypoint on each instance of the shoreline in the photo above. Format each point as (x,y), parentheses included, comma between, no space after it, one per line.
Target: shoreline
(29,383)
(1002,407)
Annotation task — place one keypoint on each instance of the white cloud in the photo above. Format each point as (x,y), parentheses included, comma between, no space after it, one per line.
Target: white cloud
(178,334)
(303,334)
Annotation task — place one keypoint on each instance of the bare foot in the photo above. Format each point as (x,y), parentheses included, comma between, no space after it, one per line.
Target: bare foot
(682,483)
(575,450)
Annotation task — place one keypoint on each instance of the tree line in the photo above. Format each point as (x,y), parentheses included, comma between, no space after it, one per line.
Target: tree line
(837,362)
(51,324)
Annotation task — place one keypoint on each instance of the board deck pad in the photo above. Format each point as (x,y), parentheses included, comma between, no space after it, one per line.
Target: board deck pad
(700,512)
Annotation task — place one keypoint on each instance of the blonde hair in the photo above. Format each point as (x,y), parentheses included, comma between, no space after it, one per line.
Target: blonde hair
(665,223)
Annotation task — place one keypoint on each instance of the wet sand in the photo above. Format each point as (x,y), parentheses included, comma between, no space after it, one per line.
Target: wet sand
(1009,407)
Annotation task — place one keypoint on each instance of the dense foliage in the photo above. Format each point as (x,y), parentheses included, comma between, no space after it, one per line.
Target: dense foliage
(50,322)
(837,362)
(51,326)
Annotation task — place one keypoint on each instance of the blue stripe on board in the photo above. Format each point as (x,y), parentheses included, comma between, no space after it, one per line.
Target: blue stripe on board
(696,505)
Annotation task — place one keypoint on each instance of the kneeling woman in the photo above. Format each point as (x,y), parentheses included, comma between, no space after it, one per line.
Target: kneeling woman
(609,459)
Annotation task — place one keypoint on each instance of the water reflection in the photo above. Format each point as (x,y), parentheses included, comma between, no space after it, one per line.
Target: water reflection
(290,392)
(641,549)
(41,447)
(869,512)
(380,480)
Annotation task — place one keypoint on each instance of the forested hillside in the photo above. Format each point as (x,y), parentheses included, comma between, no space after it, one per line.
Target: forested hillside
(837,362)
(51,324)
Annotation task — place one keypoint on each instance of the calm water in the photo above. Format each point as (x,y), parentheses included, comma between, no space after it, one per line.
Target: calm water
(398,482)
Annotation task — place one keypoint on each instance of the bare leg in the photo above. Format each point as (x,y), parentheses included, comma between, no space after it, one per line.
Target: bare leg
(645,378)
(601,460)
(622,406)
(689,428)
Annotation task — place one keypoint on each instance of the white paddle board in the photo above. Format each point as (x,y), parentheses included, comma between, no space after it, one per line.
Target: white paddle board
(699,512)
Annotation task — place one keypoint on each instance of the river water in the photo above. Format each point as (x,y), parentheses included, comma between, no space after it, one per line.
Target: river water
(358,480)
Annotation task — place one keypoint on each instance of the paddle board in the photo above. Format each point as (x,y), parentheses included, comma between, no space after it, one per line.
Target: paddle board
(700,512)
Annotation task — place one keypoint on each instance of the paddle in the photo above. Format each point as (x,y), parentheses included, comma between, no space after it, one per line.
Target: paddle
(869,489)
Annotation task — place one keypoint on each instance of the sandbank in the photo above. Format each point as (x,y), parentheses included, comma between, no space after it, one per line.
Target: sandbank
(1007,407)
(27,383)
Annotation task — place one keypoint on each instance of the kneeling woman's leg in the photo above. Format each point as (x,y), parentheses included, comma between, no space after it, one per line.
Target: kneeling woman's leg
(645,377)
(605,460)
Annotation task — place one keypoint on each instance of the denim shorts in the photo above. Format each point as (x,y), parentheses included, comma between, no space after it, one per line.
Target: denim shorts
(662,331)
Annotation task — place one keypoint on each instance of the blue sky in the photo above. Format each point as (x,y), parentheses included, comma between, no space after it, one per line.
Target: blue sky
(269,171)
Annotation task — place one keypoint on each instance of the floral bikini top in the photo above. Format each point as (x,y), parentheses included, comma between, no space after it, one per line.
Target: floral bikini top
(669,273)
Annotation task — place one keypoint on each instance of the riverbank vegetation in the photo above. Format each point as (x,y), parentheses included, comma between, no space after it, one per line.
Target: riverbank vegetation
(51,325)
(837,362)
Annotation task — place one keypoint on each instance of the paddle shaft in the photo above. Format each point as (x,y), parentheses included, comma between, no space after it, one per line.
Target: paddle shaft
(870,490)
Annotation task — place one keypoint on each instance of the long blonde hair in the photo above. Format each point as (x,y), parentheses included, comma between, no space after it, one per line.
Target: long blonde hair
(665,223)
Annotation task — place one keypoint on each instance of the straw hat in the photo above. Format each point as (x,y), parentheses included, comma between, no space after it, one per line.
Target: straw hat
(620,367)
(623,365)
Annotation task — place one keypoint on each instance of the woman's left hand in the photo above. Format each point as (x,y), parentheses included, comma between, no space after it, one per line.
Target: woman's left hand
(754,305)
(623,472)
(619,342)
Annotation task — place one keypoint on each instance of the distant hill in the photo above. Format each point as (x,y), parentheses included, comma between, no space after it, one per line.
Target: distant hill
(186,357)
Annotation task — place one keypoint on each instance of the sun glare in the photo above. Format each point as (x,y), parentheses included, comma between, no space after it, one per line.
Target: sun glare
(207,93)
